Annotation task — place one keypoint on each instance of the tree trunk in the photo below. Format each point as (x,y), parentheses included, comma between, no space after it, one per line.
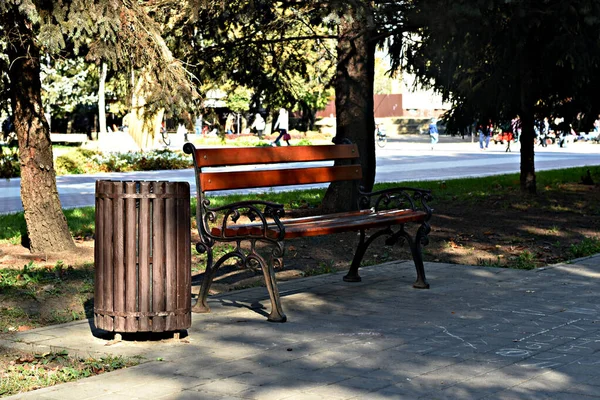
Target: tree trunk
(527,178)
(144,129)
(354,99)
(102,99)
(46,224)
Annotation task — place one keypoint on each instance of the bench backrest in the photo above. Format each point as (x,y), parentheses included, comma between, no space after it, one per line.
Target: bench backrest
(226,179)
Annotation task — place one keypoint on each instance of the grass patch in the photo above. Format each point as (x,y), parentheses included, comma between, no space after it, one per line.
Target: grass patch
(587,247)
(525,260)
(31,275)
(81,221)
(48,289)
(13,226)
(470,190)
(488,262)
(26,372)
(291,199)
(11,318)
(323,268)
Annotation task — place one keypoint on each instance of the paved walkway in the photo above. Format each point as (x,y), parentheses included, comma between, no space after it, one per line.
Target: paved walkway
(478,333)
(406,158)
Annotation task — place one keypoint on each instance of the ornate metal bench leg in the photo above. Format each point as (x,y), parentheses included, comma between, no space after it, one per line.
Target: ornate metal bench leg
(201,305)
(421,282)
(352,275)
(276,314)
(417,254)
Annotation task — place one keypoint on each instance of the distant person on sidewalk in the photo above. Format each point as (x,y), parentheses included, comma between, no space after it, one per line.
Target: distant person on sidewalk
(485,132)
(198,125)
(545,131)
(182,131)
(515,127)
(282,125)
(434,135)
(229,124)
(259,124)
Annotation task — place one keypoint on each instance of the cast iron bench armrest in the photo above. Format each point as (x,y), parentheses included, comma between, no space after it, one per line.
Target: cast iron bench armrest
(400,197)
(269,219)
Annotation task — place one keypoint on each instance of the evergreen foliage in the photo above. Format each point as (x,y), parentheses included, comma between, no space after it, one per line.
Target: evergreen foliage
(498,59)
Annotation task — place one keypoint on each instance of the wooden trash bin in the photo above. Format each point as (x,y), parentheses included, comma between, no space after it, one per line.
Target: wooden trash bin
(142,256)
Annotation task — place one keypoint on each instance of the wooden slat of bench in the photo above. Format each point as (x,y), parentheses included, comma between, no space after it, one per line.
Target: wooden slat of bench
(211,181)
(218,157)
(328,224)
(255,228)
(344,224)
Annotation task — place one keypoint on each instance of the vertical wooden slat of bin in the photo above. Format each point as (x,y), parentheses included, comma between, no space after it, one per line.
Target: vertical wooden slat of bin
(183,255)
(144,288)
(108,256)
(171,257)
(188,254)
(118,257)
(131,321)
(158,257)
(99,257)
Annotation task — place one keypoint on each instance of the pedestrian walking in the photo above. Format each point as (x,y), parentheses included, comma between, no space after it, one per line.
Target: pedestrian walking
(229,124)
(258,124)
(282,125)
(515,126)
(485,132)
(198,125)
(433,132)
(545,131)
(182,131)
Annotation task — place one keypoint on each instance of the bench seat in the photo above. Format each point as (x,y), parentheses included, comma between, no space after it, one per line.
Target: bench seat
(324,224)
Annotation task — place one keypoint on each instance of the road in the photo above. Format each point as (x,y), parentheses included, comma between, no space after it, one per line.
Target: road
(403,159)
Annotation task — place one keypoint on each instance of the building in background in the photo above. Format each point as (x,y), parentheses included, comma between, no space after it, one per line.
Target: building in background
(404,102)
(399,103)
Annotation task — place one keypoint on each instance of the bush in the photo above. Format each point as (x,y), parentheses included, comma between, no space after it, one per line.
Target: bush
(75,162)
(142,161)
(9,163)
(303,142)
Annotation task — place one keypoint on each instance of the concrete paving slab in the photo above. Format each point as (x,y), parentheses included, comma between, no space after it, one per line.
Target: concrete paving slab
(477,333)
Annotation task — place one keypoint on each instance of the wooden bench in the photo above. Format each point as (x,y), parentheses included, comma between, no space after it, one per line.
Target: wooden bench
(68,138)
(385,211)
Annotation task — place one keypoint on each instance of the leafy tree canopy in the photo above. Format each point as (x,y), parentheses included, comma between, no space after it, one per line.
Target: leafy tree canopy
(486,55)
(126,34)
(281,52)
(501,58)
